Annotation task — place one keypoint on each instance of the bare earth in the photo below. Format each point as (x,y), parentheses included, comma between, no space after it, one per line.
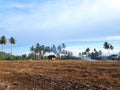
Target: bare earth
(59,75)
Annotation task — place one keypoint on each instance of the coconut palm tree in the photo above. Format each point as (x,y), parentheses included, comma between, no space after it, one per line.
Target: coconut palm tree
(47,49)
(87,51)
(100,52)
(111,47)
(107,47)
(3,41)
(38,50)
(59,51)
(59,48)
(12,41)
(95,50)
(63,45)
(80,54)
(32,49)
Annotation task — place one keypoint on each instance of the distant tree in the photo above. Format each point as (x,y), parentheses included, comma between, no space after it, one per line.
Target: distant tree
(59,51)
(107,47)
(63,49)
(80,54)
(43,51)
(95,50)
(47,49)
(3,42)
(24,56)
(32,49)
(69,54)
(111,47)
(54,49)
(87,51)
(100,52)
(12,41)
(59,48)
(38,50)
(96,54)
(63,45)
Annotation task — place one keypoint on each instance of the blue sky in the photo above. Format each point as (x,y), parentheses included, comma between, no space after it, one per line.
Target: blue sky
(78,23)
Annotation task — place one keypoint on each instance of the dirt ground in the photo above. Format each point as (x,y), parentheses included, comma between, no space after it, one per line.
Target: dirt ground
(59,75)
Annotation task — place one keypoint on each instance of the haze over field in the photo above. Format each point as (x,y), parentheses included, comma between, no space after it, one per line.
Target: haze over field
(77,23)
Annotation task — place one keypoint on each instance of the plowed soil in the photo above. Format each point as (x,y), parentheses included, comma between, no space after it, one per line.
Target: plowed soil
(59,75)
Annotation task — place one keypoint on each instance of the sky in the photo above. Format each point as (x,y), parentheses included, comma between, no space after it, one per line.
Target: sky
(77,23)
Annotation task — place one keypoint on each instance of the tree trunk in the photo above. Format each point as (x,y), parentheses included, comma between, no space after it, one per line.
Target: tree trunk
(108,53)
(2,48)
(2,52)
(11,49)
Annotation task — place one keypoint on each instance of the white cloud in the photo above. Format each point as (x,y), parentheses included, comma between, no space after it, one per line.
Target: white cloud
(113,38)
(65,13)
(71,19)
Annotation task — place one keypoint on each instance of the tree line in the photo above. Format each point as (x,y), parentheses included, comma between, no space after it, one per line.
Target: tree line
(93,55)
(96,54)
(38,51)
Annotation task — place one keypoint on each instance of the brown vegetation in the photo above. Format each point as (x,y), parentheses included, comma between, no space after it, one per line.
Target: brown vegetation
(59,75)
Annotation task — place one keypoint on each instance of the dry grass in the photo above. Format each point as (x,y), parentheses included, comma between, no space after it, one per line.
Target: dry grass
(59,75)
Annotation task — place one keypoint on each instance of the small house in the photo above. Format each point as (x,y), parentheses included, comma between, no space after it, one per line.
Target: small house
(51,57)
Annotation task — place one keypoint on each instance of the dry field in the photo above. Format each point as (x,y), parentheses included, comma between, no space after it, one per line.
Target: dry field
(59,75)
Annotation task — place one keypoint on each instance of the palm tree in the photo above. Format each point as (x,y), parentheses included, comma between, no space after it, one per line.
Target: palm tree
(12,41)
(38,50)
(100,52)
(87,51)
(59,49)
(43,49)
(106,46)
(95,50)
(32,49)
(63,48)
(80,54)
(3,41)
(111,47)
(47,49)
(63,45)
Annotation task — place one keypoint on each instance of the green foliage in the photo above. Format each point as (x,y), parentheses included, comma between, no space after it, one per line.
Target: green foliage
(119,58)
(38,51)
(3,40)
(108,46)
(24,56)
(11,57)
(6,56)
(12,41)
